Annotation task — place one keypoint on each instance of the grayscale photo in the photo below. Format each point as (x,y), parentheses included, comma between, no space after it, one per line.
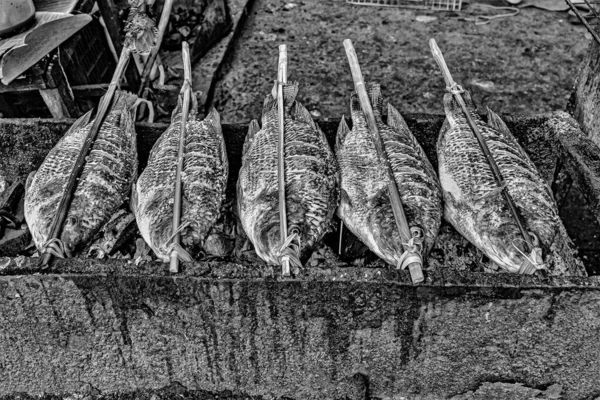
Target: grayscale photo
(299,199)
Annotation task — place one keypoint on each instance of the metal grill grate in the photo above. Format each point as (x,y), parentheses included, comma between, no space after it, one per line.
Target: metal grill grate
(593,6)
(438,5)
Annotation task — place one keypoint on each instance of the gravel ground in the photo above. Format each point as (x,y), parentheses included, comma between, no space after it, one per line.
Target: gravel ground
(524,64)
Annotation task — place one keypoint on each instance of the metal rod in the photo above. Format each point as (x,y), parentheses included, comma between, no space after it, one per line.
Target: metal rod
(439,58)
(584,21)
(162,26)
(281,80)
(65,201)
(186,89)
(396,202)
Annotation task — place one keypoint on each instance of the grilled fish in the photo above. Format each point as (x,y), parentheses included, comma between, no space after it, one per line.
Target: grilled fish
(474,204)
(311,177)
(104,184)
(365,206)
(203,180)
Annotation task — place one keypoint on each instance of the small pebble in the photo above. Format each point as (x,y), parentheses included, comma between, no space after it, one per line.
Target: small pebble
(290,6)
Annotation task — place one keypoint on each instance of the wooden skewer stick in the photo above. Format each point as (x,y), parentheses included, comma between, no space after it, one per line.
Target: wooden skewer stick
(414,259)
(162,27)
(186,89)
(65,201)
(281,79)
(451,85)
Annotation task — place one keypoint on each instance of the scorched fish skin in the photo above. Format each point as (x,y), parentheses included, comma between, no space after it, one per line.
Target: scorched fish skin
(203,180)
(365,206)
(311,177)
(104,184)
(474,204)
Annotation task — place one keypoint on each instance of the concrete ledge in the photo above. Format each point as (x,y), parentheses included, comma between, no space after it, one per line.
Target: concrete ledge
(299,339)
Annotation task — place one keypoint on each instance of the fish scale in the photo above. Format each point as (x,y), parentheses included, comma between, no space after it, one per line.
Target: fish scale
(104,184)
(474,204)
(311,178)
(365,207)
(203,183)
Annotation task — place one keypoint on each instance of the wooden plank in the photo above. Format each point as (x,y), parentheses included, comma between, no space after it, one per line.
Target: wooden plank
(59,95)
(55,103)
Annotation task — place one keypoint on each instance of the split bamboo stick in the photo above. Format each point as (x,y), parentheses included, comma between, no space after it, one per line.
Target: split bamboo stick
(186,89)
(414,259)
(281,80)
(452,87)
(65,202)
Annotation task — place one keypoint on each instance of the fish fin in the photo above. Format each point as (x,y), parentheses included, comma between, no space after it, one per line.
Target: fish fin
(469,101)
(194,103)
(29,180)
(376,99)
(342,132)
(133,199)
(497,123)
(80,123)
(395,119)
(253,128)
(345,198)
(214,120)
(300,113)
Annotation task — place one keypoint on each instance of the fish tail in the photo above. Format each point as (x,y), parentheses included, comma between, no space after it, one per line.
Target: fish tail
(300,113)
(342,132)
(376,99)
(453,109)
(291,249)
(497,123)
(123,99)
(214,120)
(193,110)
(290,91)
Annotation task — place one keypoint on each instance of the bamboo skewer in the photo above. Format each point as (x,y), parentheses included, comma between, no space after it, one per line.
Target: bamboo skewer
(453,87)
(162,26)
(65,201)
(413,259)
(281,80)
(186,89)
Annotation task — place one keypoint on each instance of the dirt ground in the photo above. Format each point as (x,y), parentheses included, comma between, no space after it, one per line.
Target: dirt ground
(524,64)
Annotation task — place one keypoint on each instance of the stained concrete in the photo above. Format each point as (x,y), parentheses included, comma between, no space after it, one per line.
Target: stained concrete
(120,330)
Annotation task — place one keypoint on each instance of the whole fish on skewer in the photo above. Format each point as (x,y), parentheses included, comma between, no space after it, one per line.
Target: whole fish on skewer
(204,180)
(311,176)
(475,206)
(104,184)
(365,206)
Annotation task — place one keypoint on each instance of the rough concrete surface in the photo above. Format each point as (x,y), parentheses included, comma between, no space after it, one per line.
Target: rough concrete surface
(296,339)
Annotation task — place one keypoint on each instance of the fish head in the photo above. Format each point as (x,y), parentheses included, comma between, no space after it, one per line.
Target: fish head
(268,238)
(72,234)
(505,246)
